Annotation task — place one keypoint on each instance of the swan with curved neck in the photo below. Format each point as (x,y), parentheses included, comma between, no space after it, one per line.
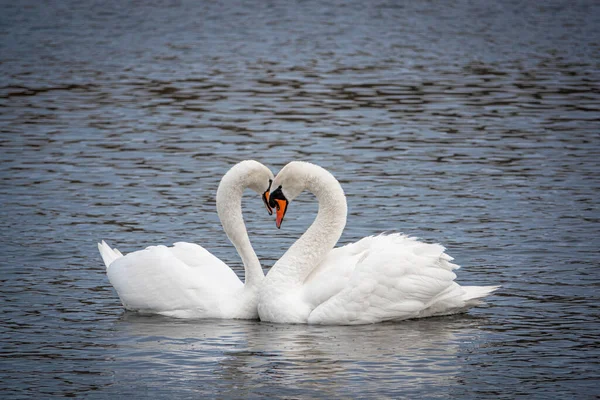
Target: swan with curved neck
(379,278)
(186,280)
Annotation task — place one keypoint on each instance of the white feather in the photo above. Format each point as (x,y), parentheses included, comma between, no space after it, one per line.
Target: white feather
(183,281)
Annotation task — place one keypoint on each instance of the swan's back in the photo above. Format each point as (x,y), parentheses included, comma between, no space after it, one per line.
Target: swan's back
(185,280)
(387,277)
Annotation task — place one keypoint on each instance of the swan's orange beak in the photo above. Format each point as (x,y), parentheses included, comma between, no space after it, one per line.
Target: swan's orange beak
(265,198)
(281,205)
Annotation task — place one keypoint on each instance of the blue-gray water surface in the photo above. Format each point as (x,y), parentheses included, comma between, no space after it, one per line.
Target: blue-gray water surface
(472,124)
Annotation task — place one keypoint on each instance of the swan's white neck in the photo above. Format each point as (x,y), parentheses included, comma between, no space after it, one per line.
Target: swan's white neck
(229,209)
(320,238)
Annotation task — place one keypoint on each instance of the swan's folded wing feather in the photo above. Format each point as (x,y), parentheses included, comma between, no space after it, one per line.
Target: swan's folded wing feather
(160,280)
(333,274)
(397,278)
(197,257)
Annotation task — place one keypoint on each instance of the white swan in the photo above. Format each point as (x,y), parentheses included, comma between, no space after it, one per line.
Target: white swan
(379,278)
(187,281)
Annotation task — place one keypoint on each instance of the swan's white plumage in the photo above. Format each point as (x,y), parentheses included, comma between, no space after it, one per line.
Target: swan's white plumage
(186,280)
(108,255)
(388,277)
(395,277)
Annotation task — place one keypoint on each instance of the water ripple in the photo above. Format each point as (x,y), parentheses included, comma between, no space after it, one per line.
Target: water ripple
(118,121)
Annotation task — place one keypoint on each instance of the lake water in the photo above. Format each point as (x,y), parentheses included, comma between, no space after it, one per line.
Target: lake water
(471,124)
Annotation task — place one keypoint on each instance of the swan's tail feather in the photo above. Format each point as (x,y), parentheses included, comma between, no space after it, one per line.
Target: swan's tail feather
(108,255)
(474,294)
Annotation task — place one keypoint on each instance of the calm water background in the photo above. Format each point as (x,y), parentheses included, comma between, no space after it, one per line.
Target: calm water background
(472,124)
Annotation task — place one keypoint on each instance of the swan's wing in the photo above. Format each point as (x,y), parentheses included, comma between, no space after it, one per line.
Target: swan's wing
(333,274)
(183,280)
(396,277)
(198,257)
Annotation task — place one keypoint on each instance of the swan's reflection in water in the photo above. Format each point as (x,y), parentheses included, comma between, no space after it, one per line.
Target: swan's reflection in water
(250,357)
